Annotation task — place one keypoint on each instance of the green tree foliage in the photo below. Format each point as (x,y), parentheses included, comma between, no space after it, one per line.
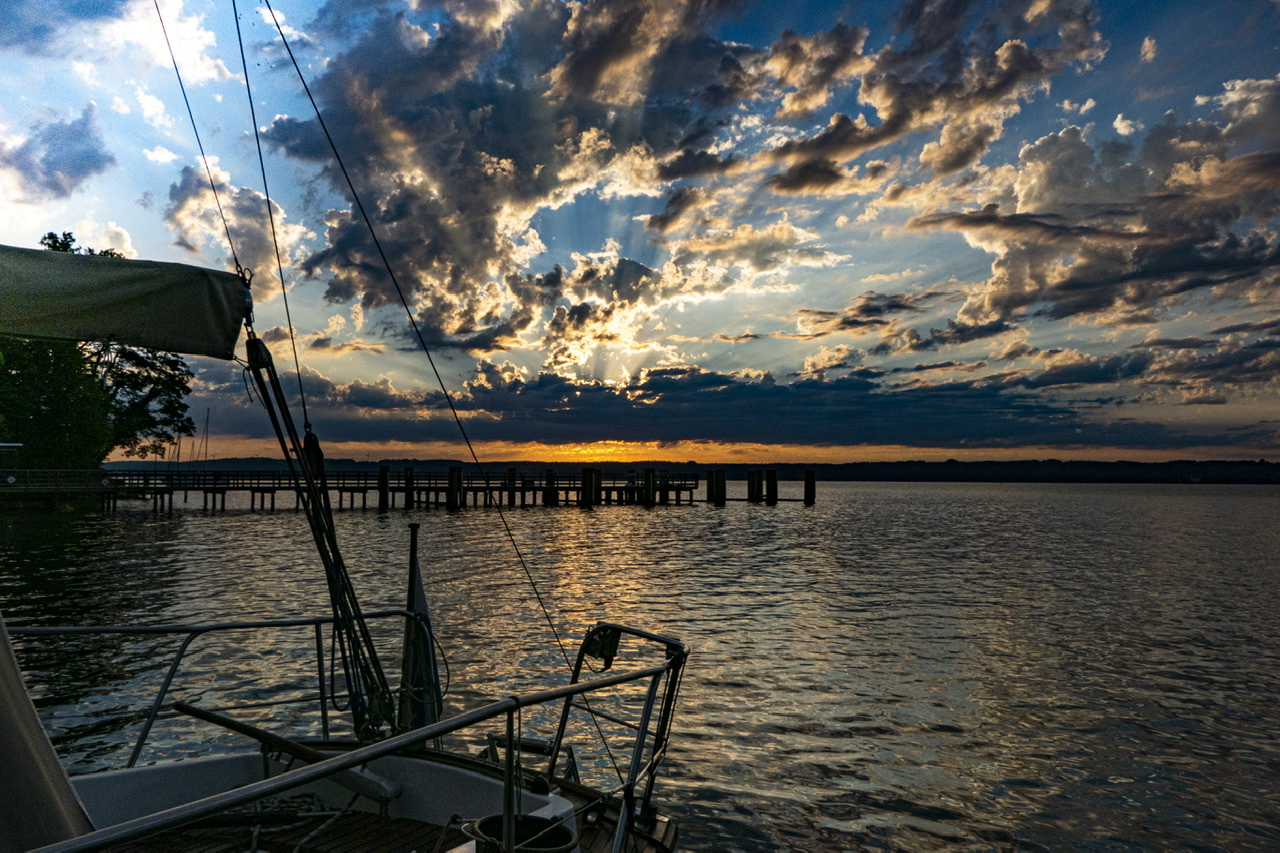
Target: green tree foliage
(146,389)
(54,405)
(70,405)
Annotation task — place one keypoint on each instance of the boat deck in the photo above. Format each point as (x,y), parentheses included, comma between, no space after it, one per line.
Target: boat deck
(353,832)
(360,832)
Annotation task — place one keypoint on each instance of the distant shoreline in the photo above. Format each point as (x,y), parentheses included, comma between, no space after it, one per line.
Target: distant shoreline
(1025,471)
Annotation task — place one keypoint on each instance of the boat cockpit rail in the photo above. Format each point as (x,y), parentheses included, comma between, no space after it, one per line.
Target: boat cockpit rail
(636,704)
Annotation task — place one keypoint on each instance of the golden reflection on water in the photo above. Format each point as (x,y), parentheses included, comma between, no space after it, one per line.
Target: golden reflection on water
(911,666)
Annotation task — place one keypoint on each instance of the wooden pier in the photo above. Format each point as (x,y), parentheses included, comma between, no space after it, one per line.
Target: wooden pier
(405,488)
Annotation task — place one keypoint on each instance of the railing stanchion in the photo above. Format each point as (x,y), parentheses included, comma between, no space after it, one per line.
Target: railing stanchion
(324,697)
(159,700)
(510,791)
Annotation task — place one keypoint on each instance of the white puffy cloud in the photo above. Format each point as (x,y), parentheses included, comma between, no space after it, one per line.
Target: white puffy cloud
(153,109)
(159,154)
(136,30)
(1126,127)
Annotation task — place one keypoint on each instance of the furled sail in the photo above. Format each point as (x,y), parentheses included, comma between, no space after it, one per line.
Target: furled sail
(152,304)
(39,806)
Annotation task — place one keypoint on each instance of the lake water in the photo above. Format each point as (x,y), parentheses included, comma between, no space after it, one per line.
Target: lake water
(900,667)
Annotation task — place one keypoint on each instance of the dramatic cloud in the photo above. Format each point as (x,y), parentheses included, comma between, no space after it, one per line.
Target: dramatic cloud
(687,403)
(1100,233)
(966,84)
(960,223)
(627,98)
(454,171)
(809,67)
(869,312)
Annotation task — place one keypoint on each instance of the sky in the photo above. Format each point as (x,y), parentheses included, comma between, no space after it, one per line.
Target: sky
(701,230)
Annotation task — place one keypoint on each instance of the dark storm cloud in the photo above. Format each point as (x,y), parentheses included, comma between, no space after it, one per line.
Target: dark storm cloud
(687,403)
(1047,228)
(692,163)
(1091,371)
(808,176)
(870,311)
(1147,277)
(679,202)
(967,367)
(1175,343)
(59,156)
(954,334)
(1270,327)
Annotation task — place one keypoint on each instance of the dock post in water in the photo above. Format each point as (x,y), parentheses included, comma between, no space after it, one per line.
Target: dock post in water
(408,488)
(454,497)
(771,487)
(810,488)
(715,487)
(550,493)
(384,489)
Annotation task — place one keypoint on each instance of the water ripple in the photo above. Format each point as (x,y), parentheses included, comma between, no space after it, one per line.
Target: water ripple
(901,667)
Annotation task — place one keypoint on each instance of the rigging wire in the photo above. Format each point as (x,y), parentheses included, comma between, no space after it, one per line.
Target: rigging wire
(417,331)
(355,645)
(203,157)
(275,242)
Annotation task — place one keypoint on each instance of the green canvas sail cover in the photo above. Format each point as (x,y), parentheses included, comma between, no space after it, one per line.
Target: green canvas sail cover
(164,306)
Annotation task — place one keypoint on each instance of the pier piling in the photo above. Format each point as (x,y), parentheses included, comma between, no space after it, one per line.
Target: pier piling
(384,489)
